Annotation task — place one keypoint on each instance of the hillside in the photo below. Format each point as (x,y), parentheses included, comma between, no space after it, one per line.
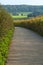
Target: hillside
(36,10)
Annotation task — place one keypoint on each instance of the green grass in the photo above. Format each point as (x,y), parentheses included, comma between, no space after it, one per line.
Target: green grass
(19,17)
(4,47)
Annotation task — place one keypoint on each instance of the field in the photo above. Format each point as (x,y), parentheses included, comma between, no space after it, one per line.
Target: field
(17,17)
(21,15)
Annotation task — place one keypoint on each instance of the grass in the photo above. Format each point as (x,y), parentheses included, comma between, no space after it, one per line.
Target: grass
(4,47)
(19,17)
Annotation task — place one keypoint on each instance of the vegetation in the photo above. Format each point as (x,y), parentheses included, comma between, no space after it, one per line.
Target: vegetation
(14,9)
(24,13)
(21,15)
(7,28)
(17,17)
(6,31)
(35,24)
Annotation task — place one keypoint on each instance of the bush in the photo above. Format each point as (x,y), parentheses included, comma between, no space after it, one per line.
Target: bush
(6,32)
(35,24)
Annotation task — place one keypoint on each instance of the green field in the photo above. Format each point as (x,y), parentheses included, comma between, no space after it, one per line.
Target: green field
(19,17)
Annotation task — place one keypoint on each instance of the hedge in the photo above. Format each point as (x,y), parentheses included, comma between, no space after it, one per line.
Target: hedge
(6,32)
(35,24)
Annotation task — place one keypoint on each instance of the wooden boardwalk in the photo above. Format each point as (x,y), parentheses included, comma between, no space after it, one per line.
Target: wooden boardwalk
(26,48)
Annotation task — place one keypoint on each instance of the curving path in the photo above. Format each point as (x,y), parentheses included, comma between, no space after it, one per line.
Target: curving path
(26,48)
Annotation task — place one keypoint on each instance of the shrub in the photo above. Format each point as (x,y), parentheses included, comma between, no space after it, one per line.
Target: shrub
(35,24)
(6,31)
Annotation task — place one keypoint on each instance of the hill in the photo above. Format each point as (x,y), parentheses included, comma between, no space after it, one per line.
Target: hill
(36,10)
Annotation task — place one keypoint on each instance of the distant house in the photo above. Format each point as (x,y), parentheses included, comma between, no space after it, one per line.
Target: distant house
(19,14)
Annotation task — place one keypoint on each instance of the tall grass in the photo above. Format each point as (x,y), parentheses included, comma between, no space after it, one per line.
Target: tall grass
(35,24)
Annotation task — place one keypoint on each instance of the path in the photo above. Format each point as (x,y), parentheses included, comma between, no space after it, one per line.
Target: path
(26,48)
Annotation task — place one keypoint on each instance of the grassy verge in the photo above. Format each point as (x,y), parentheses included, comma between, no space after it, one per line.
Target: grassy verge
(4,46)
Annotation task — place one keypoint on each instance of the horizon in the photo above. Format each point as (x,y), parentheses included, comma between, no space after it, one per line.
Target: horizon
(21,2)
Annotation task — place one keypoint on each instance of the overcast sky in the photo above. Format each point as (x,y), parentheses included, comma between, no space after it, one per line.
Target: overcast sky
(18,2)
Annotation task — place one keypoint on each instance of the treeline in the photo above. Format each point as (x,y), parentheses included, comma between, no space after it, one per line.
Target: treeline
(36,10)
(35,24)
(6,31)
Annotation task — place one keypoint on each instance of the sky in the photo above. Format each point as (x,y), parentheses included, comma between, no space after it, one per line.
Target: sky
(20,2)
